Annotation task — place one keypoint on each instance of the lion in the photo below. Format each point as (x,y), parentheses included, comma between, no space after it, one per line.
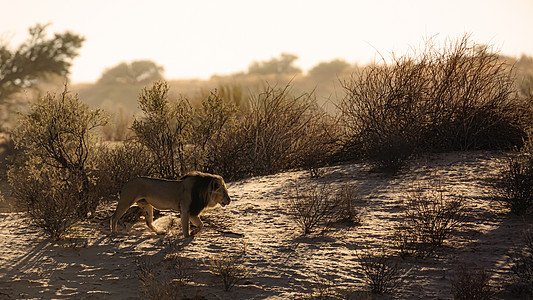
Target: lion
(189,195)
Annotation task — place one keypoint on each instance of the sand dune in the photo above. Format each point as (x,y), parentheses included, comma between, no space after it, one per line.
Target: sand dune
(282,264)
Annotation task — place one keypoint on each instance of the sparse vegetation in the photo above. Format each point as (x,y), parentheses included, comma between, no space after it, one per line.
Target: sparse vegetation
(229,267)
(320,206)
(347,199)
(380,271)
(323,288)
(521,282)
(312,207)
(472,284)
(154,287)
(428,219)
(514,185)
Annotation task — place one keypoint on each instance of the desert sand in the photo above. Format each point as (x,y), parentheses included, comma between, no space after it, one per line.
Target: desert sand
(281,263)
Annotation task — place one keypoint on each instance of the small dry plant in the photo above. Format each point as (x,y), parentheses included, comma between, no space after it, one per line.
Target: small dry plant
(323,287)
(229,267)
(470,284)
(153,286)
(428,219)
(514,185)
(522,267)
(381,272)
(165,279)
(312,207)
(346,199)
(319,205)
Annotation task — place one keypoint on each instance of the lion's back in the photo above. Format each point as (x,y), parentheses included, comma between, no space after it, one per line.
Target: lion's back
(152,188)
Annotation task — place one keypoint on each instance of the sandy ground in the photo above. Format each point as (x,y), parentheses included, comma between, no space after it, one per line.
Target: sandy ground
(281,263)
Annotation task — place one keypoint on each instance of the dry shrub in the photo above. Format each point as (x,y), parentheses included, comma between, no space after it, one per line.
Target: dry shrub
(51,197)
(429,217)
(273,131)
(164,130)
(323,288)
(347,199)
(276,131)
(52,175)
(514,185)
(522,267)
(381,272)
(165,280)
(460,97)
(230,267)
(211,122)
(182,268)
(469,285)
(321,206)
(312,207)
(154,287)
(117,164)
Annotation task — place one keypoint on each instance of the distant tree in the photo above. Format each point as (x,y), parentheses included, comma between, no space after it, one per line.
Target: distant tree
(331,69)
(136,72)
(276,65)
(37,57)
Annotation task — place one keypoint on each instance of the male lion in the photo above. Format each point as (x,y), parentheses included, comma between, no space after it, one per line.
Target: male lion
(189,195)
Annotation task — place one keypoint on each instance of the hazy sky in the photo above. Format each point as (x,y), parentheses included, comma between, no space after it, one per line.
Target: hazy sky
(198,38)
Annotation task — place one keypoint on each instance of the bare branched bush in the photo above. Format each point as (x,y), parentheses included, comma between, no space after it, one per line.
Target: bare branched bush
(276,131)
(347,199)
(521,282)
(429,217)
(164,130)
(322,288)
(514,185)
(50,197)
(230,267)
(459,97)
(471,284)
(52,175)
(312,207)
(320,206)
(155,287)
(381,272)
(181,268)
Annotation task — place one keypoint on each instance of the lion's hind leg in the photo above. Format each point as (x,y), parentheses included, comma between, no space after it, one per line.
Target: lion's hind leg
(122,207)
(148,215)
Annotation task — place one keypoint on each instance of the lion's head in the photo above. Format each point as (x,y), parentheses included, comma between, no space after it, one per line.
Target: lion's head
(218,193)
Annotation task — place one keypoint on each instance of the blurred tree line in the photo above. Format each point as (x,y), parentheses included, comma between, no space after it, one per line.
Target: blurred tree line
(118,87)
(42,58)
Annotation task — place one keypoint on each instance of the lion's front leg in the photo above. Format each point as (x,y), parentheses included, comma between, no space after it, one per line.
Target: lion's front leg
(197,222)
(184,215)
